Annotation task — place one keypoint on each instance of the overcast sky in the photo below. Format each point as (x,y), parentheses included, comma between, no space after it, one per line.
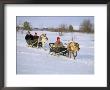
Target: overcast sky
(53,21)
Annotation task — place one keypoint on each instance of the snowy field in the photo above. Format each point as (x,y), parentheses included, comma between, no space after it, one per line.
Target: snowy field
(38,61)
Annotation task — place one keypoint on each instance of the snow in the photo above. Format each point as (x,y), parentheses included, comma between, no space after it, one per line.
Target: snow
(38,61)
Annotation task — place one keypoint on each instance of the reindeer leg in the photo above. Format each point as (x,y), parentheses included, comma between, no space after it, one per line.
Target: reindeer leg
(73,55)
(67,53)
(70,54)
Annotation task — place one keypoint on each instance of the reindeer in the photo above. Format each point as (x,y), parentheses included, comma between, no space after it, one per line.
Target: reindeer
(72,48)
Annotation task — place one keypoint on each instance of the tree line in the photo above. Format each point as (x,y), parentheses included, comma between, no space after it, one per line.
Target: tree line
(85,26)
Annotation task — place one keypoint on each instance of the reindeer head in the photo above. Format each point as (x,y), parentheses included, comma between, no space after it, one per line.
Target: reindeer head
(77,46)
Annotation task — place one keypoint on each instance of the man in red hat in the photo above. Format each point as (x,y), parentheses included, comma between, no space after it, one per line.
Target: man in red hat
(58,43)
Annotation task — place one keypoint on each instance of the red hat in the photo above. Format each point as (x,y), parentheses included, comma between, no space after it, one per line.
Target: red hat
(58,38)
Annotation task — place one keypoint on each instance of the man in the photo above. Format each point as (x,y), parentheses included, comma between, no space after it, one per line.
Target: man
(58,43)
(35,42)
(36,36)
(58,47)
(29,38)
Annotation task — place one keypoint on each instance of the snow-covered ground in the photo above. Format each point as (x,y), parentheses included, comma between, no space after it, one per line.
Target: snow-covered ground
(38,61)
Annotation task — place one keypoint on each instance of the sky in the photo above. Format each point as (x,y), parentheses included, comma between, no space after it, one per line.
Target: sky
(53,21)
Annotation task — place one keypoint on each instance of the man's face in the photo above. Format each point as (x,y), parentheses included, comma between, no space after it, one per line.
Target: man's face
(28,33)
(58,40)
(36,34)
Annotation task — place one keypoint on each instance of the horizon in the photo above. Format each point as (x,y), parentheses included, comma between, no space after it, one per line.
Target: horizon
(53,21)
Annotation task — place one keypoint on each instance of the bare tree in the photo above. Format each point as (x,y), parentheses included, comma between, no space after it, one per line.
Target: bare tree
(86,26)
(61,29)
(70,28)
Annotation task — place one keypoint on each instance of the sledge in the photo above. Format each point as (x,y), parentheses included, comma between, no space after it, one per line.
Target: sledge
(34,43)
(60,51)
